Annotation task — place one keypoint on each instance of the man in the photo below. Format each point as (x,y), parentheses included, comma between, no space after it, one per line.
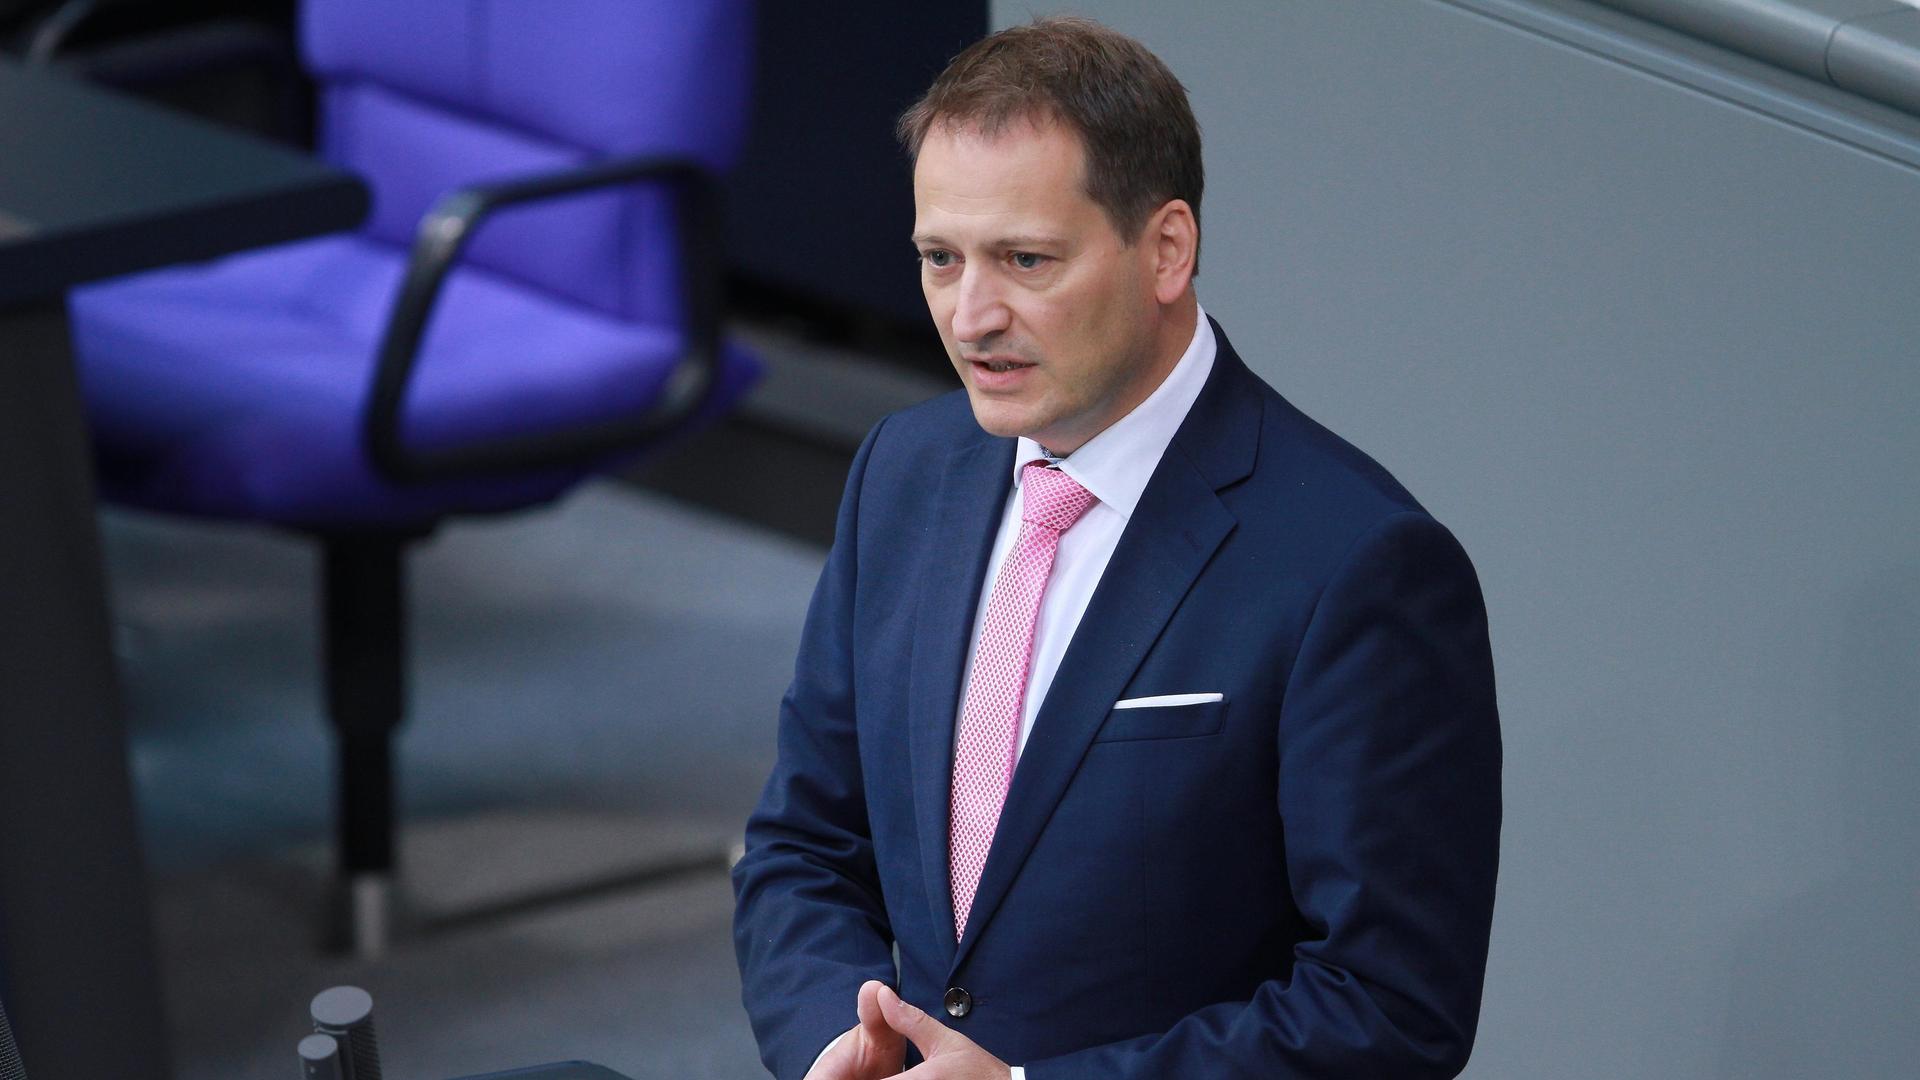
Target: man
(1140,727)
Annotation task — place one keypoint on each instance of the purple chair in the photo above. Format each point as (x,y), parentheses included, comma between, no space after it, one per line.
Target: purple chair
(533,299)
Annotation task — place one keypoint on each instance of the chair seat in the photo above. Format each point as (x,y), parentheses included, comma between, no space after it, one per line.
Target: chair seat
(235,388)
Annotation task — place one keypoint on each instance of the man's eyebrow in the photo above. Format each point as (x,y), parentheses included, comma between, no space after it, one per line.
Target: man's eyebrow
(1028,240)
(1025,240)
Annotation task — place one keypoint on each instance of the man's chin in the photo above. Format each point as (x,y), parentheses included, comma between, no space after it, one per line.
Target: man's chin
(997,417)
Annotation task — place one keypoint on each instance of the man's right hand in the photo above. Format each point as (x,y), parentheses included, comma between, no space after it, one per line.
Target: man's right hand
(870,1050)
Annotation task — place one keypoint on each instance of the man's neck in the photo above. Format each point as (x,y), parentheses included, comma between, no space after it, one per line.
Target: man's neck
(1175,333)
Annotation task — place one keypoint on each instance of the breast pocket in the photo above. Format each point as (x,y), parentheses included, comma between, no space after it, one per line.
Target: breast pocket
(1191,721)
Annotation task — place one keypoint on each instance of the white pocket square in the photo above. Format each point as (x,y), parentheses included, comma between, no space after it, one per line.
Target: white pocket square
(1167,699)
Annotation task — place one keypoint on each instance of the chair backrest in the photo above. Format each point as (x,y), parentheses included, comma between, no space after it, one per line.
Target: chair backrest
(422,96)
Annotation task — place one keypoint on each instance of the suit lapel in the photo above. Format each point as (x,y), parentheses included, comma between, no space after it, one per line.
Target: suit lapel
(1173,533)
(973,491)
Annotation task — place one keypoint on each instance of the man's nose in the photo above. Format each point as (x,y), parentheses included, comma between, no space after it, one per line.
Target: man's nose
(981,310)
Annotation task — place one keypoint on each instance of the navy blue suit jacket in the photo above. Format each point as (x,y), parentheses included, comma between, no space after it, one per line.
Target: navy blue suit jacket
(1296,881)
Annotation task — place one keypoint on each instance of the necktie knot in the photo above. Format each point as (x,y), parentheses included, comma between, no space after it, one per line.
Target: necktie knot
(1051,498)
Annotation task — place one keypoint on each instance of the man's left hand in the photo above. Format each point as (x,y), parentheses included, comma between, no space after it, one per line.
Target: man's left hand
(949,1055)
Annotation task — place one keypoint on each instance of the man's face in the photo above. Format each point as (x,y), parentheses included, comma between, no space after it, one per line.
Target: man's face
(1047,314)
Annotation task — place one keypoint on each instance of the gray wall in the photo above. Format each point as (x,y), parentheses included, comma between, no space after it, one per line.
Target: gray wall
(1651,354)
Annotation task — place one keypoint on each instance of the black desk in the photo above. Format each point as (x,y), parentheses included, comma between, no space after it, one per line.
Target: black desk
(92,185)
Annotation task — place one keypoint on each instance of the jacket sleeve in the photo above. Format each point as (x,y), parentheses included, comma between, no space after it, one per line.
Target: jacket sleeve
(809,924)
(1390,806)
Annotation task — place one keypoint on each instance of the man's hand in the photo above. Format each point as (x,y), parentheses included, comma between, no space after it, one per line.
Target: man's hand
(870,1050)
(949,1055)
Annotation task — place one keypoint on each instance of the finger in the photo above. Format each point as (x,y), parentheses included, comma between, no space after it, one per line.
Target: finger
(881,1047)
(927,1034)
(868,1007)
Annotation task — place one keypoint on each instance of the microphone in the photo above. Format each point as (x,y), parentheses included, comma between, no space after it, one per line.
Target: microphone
(10,1067)
(346,1013)
(320,1058)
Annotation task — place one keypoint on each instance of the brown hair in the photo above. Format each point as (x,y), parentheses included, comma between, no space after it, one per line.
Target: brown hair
(1141,140)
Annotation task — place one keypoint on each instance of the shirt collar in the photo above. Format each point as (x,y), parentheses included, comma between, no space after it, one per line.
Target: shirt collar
(1117,463)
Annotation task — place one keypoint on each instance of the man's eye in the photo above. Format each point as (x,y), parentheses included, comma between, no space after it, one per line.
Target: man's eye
(1027,260)
(937,258)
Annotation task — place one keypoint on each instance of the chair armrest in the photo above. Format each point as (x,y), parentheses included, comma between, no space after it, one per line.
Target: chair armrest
(447,228)
(173,55)
(153,61)
(50,33)
(160,54)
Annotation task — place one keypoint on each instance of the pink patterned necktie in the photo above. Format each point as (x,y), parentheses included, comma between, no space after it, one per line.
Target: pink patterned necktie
(997,689)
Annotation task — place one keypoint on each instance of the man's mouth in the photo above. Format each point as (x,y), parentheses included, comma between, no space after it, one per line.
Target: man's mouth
(1000,365)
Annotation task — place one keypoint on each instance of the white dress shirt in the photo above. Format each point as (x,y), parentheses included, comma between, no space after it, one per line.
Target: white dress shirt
(1115,465)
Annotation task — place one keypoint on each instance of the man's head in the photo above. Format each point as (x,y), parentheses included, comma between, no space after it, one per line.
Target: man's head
(1057,184)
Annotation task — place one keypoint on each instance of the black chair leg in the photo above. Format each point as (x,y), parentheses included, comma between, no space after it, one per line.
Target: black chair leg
(364,643)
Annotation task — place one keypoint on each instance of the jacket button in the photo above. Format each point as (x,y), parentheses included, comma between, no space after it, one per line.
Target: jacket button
(958,1002)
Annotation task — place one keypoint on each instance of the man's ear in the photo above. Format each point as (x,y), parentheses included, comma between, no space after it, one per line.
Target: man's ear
(1173,237)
